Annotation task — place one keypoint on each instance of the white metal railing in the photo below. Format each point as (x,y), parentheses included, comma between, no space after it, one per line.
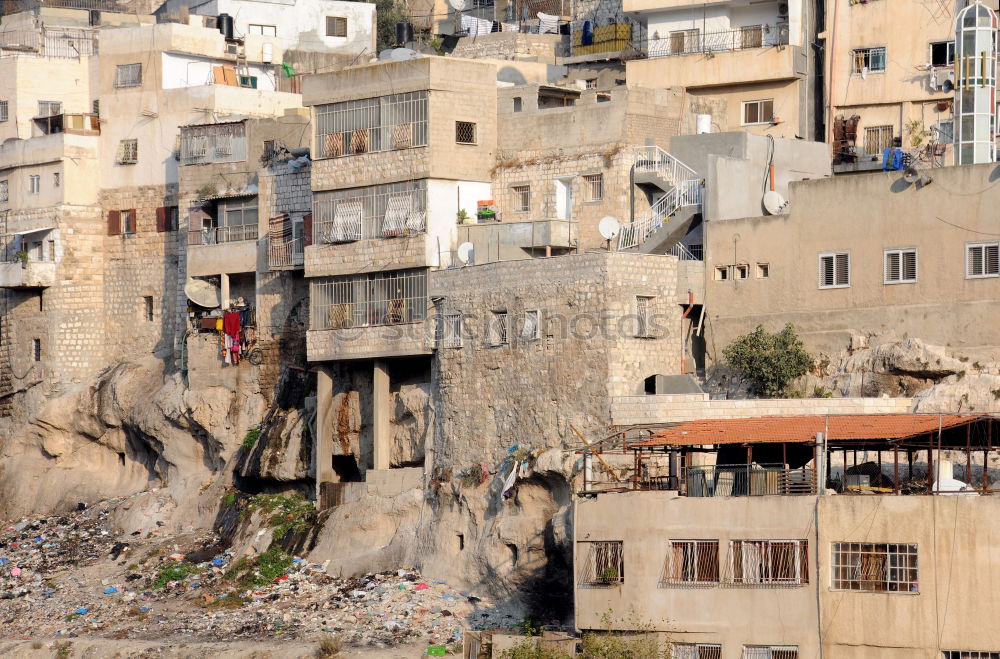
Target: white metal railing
(654,159)
(686,191)
(381,298)
(285,252)
(687,42)
(217,235)
(378,211)
(49,42)
(366,125)
(684,254)
(213,143)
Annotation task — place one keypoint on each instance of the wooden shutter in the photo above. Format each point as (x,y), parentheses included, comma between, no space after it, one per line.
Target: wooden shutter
(114,223)
(161,220)
(307,229)
(135,221)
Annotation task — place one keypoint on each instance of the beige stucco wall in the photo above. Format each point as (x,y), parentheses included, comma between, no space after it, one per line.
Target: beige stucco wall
(73,157)
(25,80)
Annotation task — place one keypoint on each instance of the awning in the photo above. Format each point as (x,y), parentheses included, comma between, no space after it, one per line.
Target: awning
(27,231)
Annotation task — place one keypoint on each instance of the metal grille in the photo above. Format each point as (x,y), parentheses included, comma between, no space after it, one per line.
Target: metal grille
(770,652)
(336,26)
(595,186)
(982,260)
(522,198)
(465,132)
(498,328)
(128,75)
(683,42)
(643,310)
(969,654)
(49,108)
(285,242)
(381,298)
(693,562)
(378,211)
(128,152)
(900,266)
(56,42)
(217,143)
(834,270)
(875,567)
(768,562)
(878,138)
(871,60)
(451,330)
(3,111)
(603,563)
(529,325)
(747,480)
(4,191)
(696,651)
(384,123)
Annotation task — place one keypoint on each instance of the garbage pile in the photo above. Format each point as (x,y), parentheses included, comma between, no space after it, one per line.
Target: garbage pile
(69,576)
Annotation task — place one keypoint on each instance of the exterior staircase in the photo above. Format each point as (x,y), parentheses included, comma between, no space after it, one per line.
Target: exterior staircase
(668,219)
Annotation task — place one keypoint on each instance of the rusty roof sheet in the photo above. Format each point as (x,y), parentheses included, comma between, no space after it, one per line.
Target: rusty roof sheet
(769,429)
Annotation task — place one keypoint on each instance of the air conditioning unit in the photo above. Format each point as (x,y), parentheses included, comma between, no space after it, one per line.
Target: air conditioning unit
(783,10)
(943,80)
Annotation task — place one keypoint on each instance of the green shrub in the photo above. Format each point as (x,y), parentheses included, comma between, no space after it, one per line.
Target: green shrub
(530,648)
(228,499)
(289,514)
(250,440)
(768,362)
(173,571)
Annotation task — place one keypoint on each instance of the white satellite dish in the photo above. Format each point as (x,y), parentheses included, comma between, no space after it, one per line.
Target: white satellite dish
(911,174)
(385,54)
(460,5)
(203,293)
(466,253)
(403,54)
(609,227)
(774,203)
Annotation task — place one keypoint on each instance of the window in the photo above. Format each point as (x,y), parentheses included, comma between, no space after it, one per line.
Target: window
(529,326)
(148,308)
(869,60)
(751,36)
(451,330)
(498,329)
(380,298)
(942,53)
(465,132)
(3,111)
(263,30)
(128,152)
(769,561)
(166,218)
(693,562)
(900,266)
(878,138)
(982,260)
(51,250)
(378,211)
(763,270)
(398,121)
(603,563)
(49,108)
(944,131)
(34,184)
(721,273)
(643,316)
(4,191)
(758,112)
(213,143)
(684,41)
(55,179)
(969,654)
(128,75)
(522,198)
(742,271)
(36,349)
(128,221)
(874,567)
(595,186)
(336,26)
(96,106)
(696,651)
(517,104)
(770,652)
(835,270)
(590,84)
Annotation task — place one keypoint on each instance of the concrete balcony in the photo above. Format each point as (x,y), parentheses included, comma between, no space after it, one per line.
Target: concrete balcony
(502,241)
(369,255)
(700,69)
(33,274)
(217,251)
(370,342)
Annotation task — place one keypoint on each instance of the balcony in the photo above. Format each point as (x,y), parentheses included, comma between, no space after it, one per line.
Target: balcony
(220,250)
(33,274)
(744,480)
(285,253)
(502,241)
(742,38)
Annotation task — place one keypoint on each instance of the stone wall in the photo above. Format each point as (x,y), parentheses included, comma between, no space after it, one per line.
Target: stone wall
(369,255)
(511,46)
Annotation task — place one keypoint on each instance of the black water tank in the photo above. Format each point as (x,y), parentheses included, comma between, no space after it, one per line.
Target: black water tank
(404,33)
(225,23)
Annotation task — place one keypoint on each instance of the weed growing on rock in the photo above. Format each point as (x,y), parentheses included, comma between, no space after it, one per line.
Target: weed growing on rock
(171,571)
(250,439)
(289,514)
(329,646)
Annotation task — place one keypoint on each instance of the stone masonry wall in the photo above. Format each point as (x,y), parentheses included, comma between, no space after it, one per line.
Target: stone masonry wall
(510,46)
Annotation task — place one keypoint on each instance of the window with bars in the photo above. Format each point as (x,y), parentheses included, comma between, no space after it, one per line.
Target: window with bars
(982,260)
(56,179)
(465,132)
(34,184)
(969,654)
(336,26)
(4,191)
(216,143)
(770,652)
(643,316)
(900,266)
(128,152)
(128,75)
(874,567)
(522,198)
(602,562)
(869,60)
(696,651)
(769,562)
(499,329)
(451,330)
(36,349)
(693,562)
(758,112)
(878,138)
(380,298)
(3,111)
(49,108)
(529,325)
(378,211)
(595,186)
(835,270)
(383,123)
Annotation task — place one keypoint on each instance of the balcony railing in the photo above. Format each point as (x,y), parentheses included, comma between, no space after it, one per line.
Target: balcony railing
(690,42)
(383,298)
(748,480)
(287,253)
(49,42)
(219,235)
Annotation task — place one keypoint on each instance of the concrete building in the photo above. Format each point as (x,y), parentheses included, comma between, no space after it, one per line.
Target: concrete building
(725,548)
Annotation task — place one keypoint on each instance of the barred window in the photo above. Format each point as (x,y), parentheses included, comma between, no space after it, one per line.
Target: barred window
(383,123)
(128,152)
(49,108)
(128,75)
(696,651)
(969,654)
(769,562)
(3,111)
(336,26)
(34,184)
(377,211)
(869,60)
(522,198)
(451,330)
(381,298)
(693,562)
(878,139)
(982,260)
(4,191)
(499,334)
(602,563)
(595,186)
(213,143)
(835,270)
(875,567)
(770,652)
(529,326)
(643,315)
(465,132)
(900,266)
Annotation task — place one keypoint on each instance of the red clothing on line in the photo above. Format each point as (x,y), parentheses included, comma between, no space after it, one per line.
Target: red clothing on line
(231,324)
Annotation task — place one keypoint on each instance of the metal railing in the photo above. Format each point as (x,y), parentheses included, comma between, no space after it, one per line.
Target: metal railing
(285,252)
(689,42)
(685,254)
(368,125)
(379,211)
(219,144)
(48,42)
(218,235)
(748,480)
(380,298)
(686,191)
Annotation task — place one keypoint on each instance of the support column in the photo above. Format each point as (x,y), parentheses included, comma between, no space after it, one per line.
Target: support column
(380,412)
(323,448)
(224,286)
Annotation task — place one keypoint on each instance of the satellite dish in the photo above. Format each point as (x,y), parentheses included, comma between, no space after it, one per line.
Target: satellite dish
(609,227)
(385,54)
(203,293)
(466,253)
(460,5)
(774,203)
(947,86)
(911,174)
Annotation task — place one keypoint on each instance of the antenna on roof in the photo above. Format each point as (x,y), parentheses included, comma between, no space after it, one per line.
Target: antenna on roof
(466,253)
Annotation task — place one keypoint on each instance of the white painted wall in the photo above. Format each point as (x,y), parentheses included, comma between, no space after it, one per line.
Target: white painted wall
(183,70)
(444,199)
(717,18)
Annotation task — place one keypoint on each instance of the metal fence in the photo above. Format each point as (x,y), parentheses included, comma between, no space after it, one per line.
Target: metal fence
(367,125)
(687,42)
(216,144)
(378,211)
(380,298)
(748,480)
(217,235)
(49,42)
(285,243)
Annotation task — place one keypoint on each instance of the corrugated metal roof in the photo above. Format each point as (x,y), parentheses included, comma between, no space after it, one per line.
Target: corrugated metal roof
(762,430)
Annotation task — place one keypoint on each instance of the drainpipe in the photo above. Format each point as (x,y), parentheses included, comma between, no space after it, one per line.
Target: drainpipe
(820,464)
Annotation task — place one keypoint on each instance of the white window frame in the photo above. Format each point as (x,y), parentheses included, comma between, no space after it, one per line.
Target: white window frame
(949,53)
(695,651)
(984,248)
(34,184)
(522,198)
(763,271)
(722,273)
(451,330)
(864,57)
(128,75)
(898,269)
(259,29)
(590,574)
(834,256)
(760,103)
(499,328)
(846,559)
(4,112)
(45,108)
(595,186)
(529,325)
(742,271)
(770,652)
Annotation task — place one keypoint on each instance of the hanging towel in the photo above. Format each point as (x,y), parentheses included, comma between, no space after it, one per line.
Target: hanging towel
(508,484)
(231,324)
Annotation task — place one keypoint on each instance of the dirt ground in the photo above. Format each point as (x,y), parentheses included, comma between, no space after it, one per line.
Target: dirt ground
(130,649)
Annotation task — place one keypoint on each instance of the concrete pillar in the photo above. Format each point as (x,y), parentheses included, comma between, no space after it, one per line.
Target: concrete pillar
(224,284)
(324,427)
(380,412)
